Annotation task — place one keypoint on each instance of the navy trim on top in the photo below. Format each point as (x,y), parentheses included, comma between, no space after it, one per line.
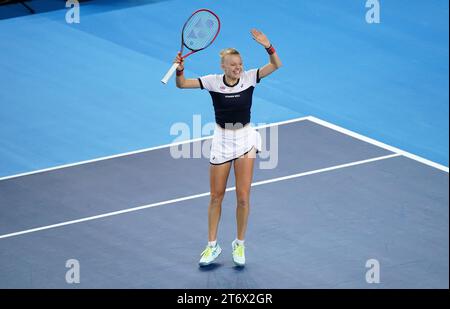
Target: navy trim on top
(201,84)
(226,84)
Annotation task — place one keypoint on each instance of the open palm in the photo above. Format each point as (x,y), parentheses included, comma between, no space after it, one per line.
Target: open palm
(260,37)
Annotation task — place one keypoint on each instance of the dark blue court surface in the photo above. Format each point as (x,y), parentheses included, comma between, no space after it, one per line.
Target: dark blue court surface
(332,203)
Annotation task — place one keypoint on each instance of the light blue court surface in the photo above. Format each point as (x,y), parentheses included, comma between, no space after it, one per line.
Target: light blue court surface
(75,92)
(335,199)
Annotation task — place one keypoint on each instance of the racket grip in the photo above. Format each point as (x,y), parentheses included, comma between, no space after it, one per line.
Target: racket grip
(169,73)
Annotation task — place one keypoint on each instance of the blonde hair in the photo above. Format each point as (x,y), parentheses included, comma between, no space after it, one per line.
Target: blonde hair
(228,51)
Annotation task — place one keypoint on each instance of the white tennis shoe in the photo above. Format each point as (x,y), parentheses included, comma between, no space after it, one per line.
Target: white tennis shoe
(209,255)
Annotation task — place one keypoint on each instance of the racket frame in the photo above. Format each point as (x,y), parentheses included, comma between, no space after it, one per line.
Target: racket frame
(192,51)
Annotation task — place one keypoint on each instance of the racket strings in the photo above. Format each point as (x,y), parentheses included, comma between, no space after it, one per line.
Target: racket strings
(200,30)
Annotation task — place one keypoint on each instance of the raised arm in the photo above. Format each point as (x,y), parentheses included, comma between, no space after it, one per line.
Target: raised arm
(274,60)
(180,80)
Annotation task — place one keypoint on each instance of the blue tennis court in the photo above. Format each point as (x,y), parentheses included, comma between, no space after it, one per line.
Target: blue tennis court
(354,166)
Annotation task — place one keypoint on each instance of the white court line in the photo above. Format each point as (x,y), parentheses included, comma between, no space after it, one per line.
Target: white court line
(377,143)
(254,184)
(141,151)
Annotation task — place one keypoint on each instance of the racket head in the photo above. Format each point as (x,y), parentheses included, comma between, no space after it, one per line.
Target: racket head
(200,30)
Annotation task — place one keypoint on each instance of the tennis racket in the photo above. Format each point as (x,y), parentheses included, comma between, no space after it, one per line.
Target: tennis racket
(199,31)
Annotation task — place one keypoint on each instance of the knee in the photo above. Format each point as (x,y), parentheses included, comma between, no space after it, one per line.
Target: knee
(243,200)
(216,198)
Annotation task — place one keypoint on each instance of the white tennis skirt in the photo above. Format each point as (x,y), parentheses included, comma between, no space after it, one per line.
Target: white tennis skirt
(228,145)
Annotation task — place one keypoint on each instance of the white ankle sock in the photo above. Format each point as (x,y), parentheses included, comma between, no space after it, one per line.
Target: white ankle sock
(240,242)
(212,243)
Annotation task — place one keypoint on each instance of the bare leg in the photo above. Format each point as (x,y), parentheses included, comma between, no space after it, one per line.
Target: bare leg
(243,170)
(218,176)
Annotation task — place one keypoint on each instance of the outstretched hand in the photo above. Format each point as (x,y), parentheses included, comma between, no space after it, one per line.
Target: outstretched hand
(260,37)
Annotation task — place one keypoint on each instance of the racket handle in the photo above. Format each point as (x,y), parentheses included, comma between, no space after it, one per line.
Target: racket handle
(169,73)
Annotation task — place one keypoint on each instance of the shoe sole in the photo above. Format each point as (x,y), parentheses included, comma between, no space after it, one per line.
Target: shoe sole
(238,264)
(206,264)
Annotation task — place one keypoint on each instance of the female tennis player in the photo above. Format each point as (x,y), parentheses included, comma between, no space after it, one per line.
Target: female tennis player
(234,141)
